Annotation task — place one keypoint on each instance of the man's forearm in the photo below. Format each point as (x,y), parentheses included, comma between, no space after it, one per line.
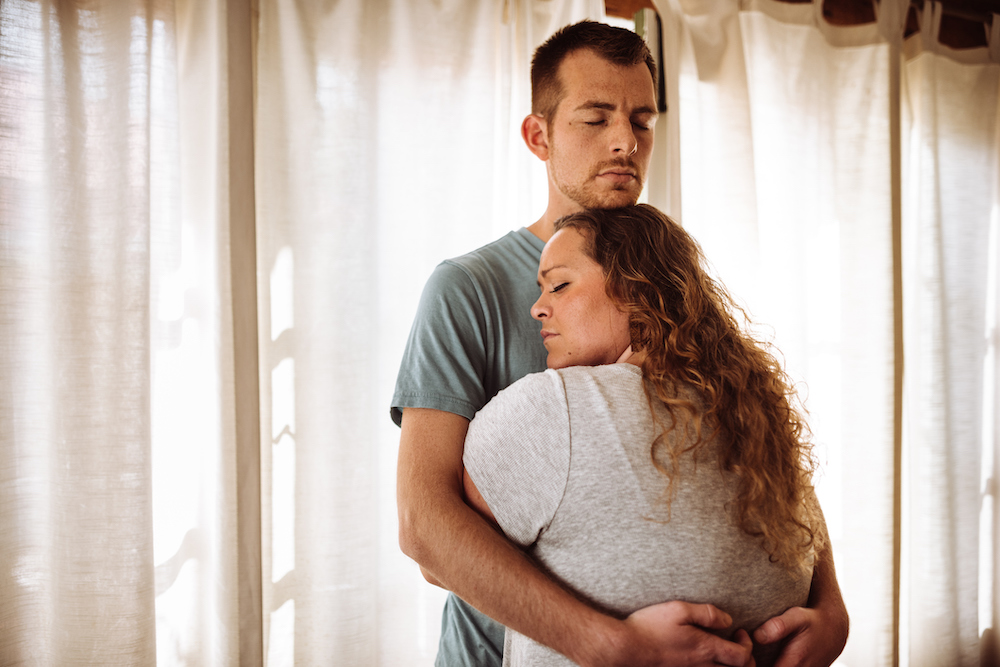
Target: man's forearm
(458,548)
(497,578)
(825,596)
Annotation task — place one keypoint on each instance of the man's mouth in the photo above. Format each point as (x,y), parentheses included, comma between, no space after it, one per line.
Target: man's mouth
(618,172)
(617,176)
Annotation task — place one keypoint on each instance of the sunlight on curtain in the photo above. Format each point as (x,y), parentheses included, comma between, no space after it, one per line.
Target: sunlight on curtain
(82,88)
(193,441)
(117,449)
(823,192)
(951,195)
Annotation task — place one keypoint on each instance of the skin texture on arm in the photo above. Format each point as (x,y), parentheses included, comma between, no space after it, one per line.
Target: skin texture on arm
(817,634)
(458,549)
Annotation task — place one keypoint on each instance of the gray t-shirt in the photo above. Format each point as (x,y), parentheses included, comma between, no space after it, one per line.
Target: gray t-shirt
(473,335)
(562,458)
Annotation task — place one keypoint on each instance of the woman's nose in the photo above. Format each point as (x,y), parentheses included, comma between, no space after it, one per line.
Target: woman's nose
(540,309)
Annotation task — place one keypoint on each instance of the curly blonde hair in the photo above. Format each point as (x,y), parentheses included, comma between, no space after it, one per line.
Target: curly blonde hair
(686,324)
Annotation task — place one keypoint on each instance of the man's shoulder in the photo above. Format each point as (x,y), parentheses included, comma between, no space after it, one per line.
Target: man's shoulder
(519,245)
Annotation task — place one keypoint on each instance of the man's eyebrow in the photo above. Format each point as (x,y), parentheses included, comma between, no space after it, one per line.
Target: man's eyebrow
(595,104)
(607,106)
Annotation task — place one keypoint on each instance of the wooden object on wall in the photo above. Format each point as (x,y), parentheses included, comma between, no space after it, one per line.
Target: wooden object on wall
(964,25)
(626,9)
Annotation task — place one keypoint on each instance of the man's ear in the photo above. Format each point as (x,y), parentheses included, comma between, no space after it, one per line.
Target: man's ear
(534,131)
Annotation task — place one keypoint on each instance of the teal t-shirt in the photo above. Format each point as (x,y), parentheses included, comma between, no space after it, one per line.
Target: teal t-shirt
(473,336)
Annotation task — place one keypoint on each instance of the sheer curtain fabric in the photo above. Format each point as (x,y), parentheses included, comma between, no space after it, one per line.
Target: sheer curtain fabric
(80,100)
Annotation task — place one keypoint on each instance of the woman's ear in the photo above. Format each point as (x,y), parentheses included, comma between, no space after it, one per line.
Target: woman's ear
(534,131)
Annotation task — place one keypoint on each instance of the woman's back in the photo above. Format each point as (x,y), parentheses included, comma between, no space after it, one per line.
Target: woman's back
(562,458)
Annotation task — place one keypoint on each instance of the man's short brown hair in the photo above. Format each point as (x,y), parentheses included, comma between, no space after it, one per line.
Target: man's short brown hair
(616,45)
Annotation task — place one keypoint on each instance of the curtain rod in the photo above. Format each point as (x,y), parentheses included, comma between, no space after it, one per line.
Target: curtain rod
(980,11)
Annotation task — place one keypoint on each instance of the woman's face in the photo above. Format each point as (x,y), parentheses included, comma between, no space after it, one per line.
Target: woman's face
(580,324)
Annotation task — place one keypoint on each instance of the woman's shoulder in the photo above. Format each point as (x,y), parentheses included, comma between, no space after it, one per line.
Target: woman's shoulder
(555,384)
(623,372)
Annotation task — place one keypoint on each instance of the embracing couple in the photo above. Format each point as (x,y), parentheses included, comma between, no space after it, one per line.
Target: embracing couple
(648,499)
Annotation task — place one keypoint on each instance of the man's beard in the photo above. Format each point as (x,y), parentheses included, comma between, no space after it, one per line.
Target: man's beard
(589,194)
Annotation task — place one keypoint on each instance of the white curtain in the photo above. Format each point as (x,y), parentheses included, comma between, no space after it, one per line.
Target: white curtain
(951,250)
(197,519)
(118,473)
(784,171)
(80,104)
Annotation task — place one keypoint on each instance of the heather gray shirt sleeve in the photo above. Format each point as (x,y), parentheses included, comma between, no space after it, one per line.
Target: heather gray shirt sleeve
(517,452)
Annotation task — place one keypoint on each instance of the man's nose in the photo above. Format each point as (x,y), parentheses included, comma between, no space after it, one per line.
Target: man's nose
(623,141)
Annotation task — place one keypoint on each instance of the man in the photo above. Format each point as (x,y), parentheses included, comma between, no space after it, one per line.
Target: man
(593,110)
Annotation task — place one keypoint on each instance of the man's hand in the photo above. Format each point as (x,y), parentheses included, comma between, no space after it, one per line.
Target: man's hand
(816,635)
(811,641)
(676,634)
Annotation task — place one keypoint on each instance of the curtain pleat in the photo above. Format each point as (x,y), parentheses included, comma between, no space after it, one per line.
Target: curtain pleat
(203,614)
(76,524)
(950,207)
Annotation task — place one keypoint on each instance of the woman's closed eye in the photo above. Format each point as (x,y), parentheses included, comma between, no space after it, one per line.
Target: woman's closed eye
(559,287)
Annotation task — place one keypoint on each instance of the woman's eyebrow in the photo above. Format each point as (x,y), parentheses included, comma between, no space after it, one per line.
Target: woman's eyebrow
(541,274)
(551,268)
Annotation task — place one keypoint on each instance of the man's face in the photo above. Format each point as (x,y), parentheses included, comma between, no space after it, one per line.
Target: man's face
(601,137)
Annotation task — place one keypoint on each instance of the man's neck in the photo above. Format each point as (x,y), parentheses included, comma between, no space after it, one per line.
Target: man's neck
(543,227)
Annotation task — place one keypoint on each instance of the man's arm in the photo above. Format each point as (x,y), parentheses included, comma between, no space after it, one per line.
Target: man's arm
(457,547)
(818,634)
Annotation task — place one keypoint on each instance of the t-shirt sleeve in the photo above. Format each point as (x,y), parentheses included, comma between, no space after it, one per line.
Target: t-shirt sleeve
(517,452)
(813,503)
(445,358)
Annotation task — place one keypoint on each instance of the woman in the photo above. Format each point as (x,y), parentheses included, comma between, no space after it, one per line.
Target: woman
(660,457)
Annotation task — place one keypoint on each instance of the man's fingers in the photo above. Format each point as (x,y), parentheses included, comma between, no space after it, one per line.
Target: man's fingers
(730,653)
(772,630)
(708,616)
(791,622)
(743,639)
